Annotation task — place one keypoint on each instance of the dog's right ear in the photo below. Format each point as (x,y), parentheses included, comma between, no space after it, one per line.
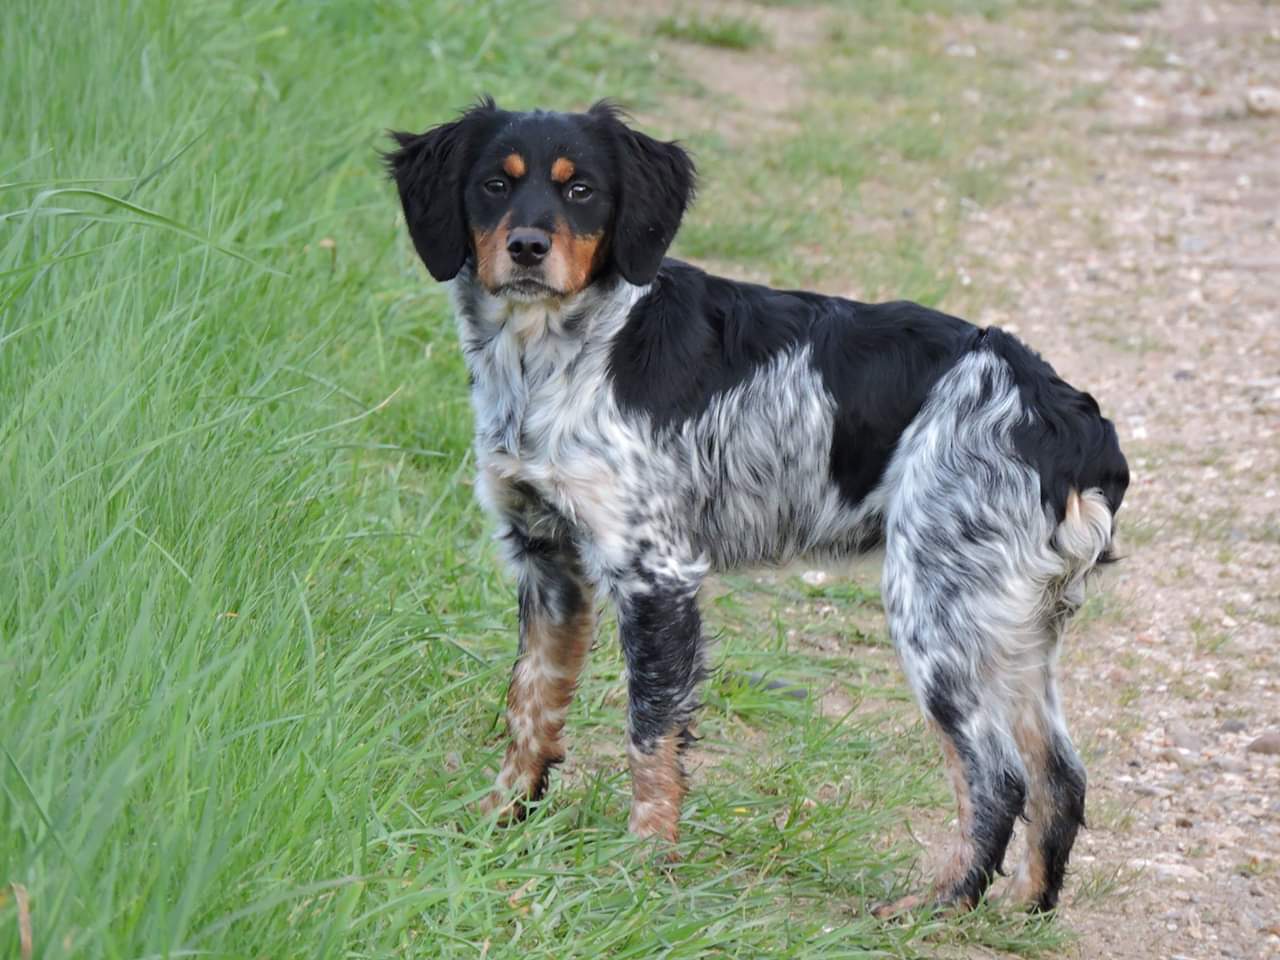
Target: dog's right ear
(430,172)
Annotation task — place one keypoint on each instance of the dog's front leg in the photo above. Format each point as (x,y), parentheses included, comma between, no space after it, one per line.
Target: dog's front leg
(661,634)
(557,623)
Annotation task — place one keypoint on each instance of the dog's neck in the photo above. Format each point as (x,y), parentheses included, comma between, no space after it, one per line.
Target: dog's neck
(559,326)
(537,367)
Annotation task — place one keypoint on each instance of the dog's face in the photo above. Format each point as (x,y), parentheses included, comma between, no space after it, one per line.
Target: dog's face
(538,200)
(541,203)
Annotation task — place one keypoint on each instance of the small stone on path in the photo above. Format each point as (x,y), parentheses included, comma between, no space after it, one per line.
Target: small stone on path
(1268,744)
(1263,101)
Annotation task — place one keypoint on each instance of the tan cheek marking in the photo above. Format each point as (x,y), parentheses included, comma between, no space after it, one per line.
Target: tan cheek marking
(562,170)
(574,258)
(658,787)
(490,247)
(583,254)
(514,166)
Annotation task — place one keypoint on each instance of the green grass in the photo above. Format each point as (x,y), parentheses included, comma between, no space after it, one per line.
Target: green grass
(717,30)
(253,638)
(863,185)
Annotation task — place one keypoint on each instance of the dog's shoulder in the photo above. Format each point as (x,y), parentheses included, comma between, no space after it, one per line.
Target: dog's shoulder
(694,336)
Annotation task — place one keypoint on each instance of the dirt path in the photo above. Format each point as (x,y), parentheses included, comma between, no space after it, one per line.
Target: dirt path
(1152,275)
(1141,255)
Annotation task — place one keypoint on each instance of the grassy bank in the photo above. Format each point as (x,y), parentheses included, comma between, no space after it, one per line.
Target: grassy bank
(253,637)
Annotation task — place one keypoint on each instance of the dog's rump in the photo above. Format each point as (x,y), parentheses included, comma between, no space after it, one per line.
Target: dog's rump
(1063,436)
(1007,460)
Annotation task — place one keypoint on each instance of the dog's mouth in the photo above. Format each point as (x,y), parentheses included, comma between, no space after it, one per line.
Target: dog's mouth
(527,288)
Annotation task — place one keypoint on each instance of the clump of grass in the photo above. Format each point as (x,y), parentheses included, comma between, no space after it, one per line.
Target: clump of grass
(715,30)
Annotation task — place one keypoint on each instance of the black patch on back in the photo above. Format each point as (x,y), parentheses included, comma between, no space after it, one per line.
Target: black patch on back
(695,336)
(880,361)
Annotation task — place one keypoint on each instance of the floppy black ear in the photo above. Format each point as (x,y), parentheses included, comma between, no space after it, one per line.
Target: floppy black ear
(430,171)
(656,184)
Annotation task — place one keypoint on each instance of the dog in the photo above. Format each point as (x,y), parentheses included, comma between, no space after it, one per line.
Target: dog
(640,423)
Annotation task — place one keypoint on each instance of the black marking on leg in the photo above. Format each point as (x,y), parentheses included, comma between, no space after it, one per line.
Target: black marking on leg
(998,797)
(997,788)
(661,633)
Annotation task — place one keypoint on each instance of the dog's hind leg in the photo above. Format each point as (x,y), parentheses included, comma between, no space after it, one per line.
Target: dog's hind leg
(966,575)
(1055,797)
(946,610)
(990,785)
(1056,776)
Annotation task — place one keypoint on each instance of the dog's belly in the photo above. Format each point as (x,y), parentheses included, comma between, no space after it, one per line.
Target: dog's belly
(745,526)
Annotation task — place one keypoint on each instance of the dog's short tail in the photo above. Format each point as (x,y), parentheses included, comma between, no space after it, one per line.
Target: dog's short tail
(1084,539)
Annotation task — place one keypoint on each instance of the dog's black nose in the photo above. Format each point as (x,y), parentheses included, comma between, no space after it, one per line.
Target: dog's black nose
(528,245)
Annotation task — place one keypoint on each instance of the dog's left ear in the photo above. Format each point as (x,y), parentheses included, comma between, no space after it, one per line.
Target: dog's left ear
(430,171)
(656,184)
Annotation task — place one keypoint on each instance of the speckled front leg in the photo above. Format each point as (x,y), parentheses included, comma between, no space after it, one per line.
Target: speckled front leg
(661,633)
(557,624)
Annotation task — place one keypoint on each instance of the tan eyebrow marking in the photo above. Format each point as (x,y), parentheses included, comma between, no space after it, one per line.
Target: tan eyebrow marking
(562,169)
(514,165)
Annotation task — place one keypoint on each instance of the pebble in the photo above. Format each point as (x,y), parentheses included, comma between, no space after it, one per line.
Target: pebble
(814,578)
(1193,244)
(1267,744)
(1183,758)
(1231,726)
(1167,871)
(1181,736)
(1263,101)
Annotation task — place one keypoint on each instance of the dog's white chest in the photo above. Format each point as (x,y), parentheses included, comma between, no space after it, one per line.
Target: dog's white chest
(545,420)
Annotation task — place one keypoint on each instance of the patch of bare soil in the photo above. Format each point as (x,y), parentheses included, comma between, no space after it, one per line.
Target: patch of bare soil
(755,90)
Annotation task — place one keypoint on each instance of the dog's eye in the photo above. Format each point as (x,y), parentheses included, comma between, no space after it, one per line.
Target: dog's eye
(578,192)
(495,187)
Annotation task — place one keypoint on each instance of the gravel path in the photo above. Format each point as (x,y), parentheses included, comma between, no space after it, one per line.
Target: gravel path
(1149,273)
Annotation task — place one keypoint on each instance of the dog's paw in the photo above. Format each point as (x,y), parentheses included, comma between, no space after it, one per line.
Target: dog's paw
(662,846)
(508,809)
(916,903)
(891,909)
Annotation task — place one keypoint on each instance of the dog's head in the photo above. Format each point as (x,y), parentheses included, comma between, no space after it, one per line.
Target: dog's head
(543,203)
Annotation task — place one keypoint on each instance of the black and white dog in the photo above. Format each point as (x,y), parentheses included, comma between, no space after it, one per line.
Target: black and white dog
(640,423)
